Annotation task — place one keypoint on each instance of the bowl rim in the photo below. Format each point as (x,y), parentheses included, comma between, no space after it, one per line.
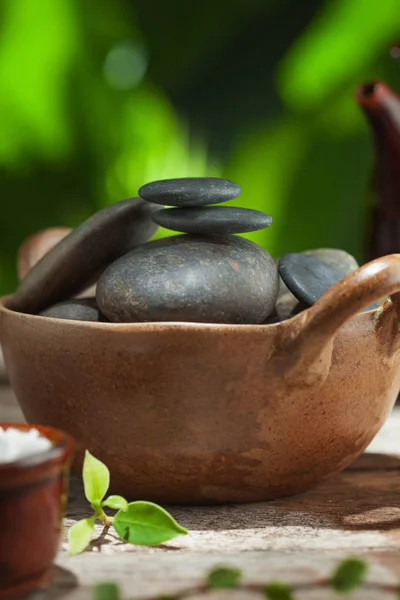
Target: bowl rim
(160,326)
(61,448)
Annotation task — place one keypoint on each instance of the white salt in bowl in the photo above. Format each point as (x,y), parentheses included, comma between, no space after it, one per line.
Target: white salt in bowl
(17,444)
(34,468)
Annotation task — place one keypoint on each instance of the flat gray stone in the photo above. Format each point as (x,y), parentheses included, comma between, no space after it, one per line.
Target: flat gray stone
(84,309)
(190,191)
(307,277)
(193,279)
(212,220)
(339,259)
(80,257)
(287,305)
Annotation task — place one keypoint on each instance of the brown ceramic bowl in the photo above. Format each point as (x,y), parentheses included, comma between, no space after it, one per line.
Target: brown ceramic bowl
(201,413)
(32,501)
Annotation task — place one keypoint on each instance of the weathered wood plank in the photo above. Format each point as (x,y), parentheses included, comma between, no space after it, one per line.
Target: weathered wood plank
(360,508)
(144,576)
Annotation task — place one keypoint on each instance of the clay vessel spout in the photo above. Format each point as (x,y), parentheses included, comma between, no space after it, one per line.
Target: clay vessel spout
(381,106)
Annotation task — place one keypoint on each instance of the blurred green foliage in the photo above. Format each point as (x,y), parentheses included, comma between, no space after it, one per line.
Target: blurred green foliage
(98,97)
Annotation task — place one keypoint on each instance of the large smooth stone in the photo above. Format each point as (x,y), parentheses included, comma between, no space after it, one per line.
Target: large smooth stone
(307,277)
(80,257)
(84,309)
(212,220)
(192,279)
(190,191)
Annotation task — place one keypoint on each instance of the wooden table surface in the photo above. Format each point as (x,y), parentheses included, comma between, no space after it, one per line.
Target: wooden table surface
(297,539)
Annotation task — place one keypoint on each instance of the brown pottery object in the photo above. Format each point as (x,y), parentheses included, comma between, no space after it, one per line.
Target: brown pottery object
(36,246)
(3,372)
(196,413)
(30,253)
(381,106)
(32,500)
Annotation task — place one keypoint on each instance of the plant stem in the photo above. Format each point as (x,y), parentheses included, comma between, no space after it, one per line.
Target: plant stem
(105,519)
(101,515)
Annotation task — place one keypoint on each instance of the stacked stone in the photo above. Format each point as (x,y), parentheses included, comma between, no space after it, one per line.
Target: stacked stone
(206,275)
(195,215)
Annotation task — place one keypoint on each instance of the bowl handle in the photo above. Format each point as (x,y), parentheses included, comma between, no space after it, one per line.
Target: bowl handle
(308,347)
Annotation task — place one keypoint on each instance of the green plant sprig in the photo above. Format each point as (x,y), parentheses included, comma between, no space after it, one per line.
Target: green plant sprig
(142,523)
(348,577)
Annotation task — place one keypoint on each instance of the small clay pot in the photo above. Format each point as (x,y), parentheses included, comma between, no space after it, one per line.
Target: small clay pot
(198,413)
(33,494)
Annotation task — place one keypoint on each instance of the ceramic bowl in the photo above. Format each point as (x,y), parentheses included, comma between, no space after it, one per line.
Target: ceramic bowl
(191,413)
(32,501)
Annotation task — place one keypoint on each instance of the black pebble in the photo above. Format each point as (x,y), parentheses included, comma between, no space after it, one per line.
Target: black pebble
(212,220)
(190,191)
(83,309)
(307,277)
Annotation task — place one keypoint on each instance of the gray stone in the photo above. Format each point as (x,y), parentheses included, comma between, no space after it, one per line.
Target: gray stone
(307,277)
(212,220)
(342,260)
(79,258)
(273,319)
(192,279)
(190,191)
(339,259)
(288,305)
(84,309)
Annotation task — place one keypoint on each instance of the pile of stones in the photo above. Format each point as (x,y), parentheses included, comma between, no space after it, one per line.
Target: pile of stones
(205,273)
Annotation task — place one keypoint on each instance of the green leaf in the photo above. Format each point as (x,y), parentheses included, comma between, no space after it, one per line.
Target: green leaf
(96,479)
(349,575)
(146,524)
(116,503)
(79,535)
(320,62)
(106,591)
(224,577)
(278,591)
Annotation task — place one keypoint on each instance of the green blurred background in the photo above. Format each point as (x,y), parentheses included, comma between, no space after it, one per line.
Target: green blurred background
(98,97)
